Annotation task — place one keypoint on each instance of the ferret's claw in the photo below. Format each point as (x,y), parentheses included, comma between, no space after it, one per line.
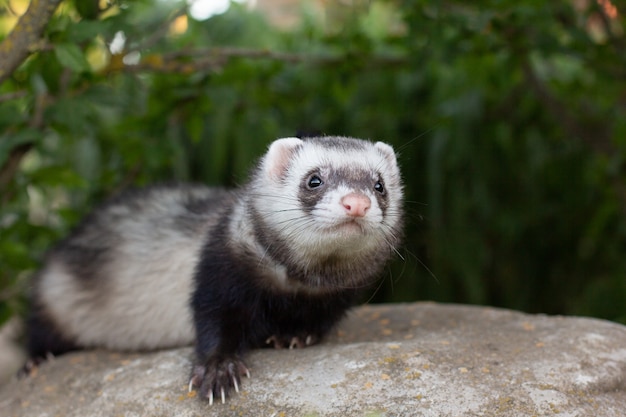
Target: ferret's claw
(217,378)
(294,343)
(274,341)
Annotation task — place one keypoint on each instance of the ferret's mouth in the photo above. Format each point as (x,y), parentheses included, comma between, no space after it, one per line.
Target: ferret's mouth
(348,227)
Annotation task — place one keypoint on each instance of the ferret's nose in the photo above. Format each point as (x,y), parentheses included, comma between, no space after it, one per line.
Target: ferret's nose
(356,204)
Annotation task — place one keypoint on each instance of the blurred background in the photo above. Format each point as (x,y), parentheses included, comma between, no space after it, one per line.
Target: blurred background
(509,117)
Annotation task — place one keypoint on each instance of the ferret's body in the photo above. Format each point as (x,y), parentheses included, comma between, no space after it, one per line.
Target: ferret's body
(276,262)
(123,279)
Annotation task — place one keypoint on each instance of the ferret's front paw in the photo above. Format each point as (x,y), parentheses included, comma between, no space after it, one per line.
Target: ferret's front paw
(217,376)
(32,365)
(291,342)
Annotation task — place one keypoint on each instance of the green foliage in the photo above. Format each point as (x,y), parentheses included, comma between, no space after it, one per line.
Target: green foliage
(509,117)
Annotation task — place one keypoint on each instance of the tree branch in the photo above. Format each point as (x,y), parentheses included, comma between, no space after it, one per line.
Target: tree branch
(597,137)
(13,95)
(214,59)
(25,37)
(160,32)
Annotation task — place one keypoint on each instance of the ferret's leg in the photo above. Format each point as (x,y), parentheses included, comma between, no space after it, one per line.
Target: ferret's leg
(43,339)
(219,347)
(310,320)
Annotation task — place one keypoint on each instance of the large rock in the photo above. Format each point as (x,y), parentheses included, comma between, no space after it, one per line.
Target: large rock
(11,354)
(397,360)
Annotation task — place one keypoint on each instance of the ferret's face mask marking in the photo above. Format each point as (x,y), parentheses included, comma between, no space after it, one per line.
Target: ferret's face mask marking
(330,197)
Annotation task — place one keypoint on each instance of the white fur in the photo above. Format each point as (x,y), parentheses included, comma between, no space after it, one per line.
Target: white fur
(142,299)
(143,308)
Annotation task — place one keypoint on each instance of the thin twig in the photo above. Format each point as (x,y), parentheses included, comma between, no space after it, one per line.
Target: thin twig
(214,59)
(159,33)
(13,95)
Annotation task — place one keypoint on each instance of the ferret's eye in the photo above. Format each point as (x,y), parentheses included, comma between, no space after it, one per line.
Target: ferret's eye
(379,187)
(314,181)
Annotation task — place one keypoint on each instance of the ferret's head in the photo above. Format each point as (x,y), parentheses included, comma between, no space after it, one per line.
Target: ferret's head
(331,203)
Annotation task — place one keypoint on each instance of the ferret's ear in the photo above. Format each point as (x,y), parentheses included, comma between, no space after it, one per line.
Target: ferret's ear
(387,152)
(279,154)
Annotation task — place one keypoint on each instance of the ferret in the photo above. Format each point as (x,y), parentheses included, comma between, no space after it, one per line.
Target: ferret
(274,263)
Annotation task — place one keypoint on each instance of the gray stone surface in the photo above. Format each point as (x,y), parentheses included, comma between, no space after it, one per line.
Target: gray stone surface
(418,359)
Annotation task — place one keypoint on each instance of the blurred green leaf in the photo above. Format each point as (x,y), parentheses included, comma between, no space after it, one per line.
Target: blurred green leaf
(70,56)
(10,141)
(52,176)
(86,30)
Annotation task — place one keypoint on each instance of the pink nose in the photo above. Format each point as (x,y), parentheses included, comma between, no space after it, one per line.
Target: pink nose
(356,205)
